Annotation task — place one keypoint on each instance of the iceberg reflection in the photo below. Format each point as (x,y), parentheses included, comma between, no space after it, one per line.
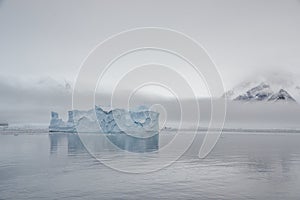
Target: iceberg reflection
(97,143)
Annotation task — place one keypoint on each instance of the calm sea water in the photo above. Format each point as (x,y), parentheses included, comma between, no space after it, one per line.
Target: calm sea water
(241,166)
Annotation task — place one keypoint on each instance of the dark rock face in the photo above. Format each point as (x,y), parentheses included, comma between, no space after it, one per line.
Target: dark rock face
(282,95)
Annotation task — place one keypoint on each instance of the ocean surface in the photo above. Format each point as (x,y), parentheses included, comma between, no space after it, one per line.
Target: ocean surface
(37,165)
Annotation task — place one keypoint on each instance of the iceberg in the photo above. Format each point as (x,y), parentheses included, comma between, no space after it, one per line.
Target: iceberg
(137,121)
(58,125)
(120,120)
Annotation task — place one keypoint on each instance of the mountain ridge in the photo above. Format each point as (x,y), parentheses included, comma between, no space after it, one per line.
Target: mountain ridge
(261,93)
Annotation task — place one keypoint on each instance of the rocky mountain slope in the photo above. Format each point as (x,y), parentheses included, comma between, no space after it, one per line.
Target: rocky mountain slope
(261,92)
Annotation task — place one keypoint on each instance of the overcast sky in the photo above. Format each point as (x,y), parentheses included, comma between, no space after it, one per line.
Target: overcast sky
(41,39)
(51,38)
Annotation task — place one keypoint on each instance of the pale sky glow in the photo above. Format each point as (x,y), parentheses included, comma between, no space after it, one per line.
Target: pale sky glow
(177,71)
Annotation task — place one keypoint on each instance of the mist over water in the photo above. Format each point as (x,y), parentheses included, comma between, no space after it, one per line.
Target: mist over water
(36,108)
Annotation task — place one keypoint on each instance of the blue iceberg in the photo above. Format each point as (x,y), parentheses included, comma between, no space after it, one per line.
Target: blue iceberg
(58,125)
(113,121)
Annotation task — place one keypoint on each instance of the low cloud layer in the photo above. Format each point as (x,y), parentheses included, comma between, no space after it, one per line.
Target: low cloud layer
(32,101)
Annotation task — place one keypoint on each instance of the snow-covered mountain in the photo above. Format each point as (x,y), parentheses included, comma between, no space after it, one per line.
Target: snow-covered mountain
(260,92)
(282,95)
